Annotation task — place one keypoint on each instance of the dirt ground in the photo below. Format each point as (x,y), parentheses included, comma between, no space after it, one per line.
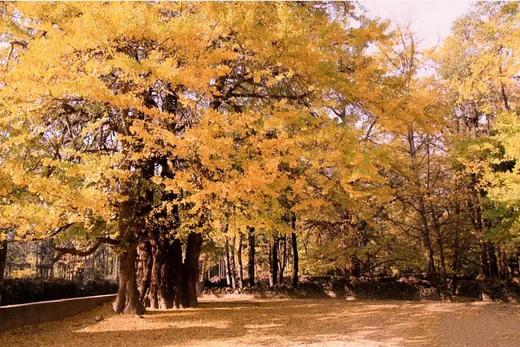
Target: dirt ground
(280,322)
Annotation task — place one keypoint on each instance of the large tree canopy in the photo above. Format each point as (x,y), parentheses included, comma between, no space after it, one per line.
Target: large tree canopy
(150,126)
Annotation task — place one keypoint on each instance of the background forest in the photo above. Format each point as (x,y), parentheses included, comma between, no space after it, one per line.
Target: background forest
(151,142)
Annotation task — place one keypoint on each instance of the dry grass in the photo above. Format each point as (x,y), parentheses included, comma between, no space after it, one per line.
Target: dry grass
(277,322)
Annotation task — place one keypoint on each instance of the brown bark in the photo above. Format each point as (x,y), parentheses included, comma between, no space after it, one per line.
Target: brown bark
(294,244)
(251,256)
(233,264)
(502,268)
(240,265)
(513,265)
(144,270)
(177,270)
(166,289)
(227,262)
(440,245)
(161,288)
(191,270)
(484,268)
(158,260)
(127,300)
(274,261)
(428,248)
(3,259)
(457,257)
(283,259)
(492,260)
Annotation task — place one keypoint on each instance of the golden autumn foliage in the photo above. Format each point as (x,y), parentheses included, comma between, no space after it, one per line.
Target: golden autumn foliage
(216,117)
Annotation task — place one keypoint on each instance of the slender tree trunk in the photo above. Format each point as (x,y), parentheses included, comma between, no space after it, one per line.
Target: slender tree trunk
(513,265)
(429,255)
(251,256)
(274,261)
(457,260)
(440,245)
(283,260)
(3,259)
(502,268)
(294,244)
(488,260)
(240,265)
(233,265)
(492,260)
(457,256)
(227,261)
(484,267)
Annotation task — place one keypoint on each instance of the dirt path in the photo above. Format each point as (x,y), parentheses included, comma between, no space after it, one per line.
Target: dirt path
(224,322)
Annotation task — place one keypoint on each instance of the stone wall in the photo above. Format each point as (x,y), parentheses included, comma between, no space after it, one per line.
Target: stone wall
(13,316)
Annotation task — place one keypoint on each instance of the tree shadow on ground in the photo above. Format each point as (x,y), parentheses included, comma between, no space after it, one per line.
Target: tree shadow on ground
(260,322)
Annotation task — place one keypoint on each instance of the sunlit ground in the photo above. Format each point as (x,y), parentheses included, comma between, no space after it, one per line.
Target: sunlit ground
(275,322)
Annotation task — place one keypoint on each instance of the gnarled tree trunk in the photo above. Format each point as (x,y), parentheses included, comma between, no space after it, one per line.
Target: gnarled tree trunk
(144,270)
(164,254)
(127,300)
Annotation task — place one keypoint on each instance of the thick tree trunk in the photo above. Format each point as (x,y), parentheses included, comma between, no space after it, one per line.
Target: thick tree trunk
(144,270)
(127,300)
(177,274)
(191,267)
(161,289)
(294,244)
(165,292)
(251,256)
(274,261)
(240,265)
(3,259)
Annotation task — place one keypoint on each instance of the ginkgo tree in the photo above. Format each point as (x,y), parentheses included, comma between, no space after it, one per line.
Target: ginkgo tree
(156,126)
(92,145)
